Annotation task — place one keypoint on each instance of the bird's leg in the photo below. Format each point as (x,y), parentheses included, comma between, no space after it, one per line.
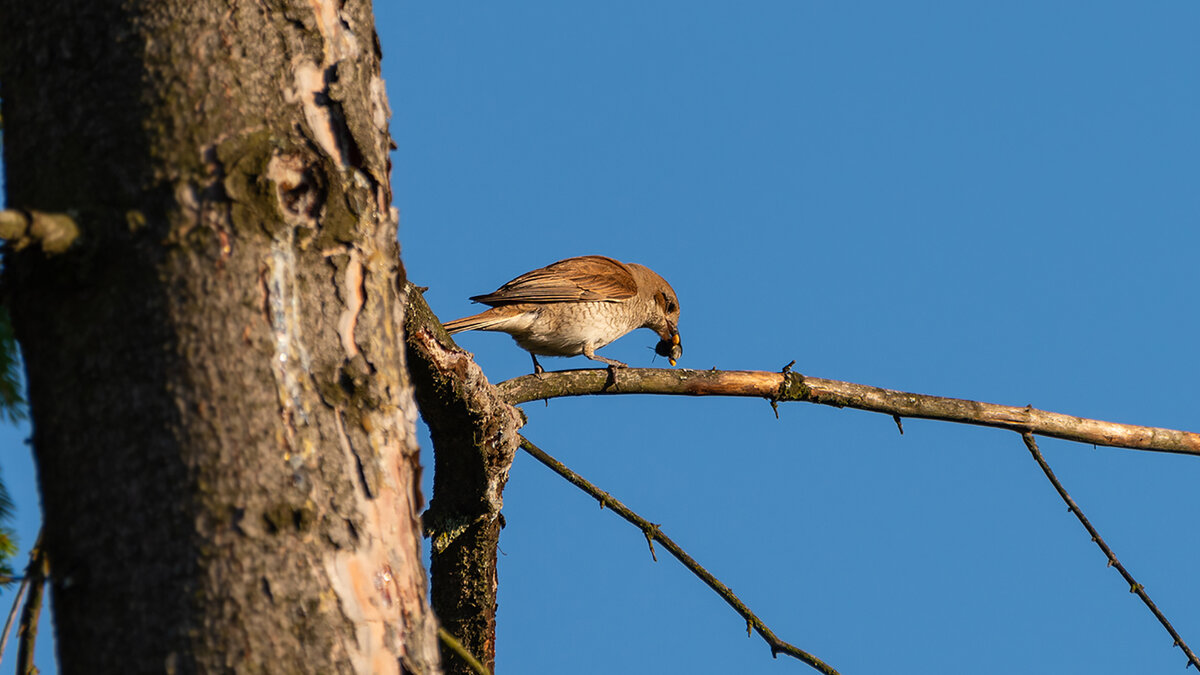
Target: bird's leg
(537,372)
(589,352)
(613,364)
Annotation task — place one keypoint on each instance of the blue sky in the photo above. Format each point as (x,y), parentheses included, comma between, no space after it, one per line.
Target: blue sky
(988,201)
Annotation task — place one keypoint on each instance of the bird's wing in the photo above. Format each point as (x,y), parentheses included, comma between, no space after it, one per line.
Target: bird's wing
(589,278)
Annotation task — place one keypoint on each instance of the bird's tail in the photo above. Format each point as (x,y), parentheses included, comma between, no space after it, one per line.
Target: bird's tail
(481,321)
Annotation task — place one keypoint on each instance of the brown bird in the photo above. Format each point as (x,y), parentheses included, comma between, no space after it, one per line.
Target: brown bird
(577,306)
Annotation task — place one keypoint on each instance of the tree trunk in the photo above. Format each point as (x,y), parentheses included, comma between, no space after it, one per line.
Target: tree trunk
(223,420)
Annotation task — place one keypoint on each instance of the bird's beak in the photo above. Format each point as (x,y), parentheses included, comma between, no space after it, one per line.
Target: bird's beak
(677,350)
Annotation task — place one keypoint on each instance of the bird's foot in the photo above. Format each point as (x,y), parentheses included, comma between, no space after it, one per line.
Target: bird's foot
(613,369)
(613,365)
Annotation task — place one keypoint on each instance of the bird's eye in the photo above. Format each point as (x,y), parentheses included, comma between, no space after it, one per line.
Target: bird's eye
(670,306)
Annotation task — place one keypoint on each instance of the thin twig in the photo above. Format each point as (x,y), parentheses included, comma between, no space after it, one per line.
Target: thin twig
(25,581)
(461,651)
(12,614)
(27,630)
(792,386)
(1134,586)
(654,533)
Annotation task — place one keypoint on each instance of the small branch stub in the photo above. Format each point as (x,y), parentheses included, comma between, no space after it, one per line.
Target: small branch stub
(54,231)
(650,534)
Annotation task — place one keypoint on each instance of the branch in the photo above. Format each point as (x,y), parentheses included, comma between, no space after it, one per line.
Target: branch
(1134,586)
(27,630)
(12,614)
(55,231)
(653,534)
(462,652)
(474,433)
(792,386)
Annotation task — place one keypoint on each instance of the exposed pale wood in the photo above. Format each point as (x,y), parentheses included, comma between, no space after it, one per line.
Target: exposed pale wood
(792,386)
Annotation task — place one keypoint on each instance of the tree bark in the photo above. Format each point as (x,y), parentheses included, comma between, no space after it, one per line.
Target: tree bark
(223,420)
(475,437)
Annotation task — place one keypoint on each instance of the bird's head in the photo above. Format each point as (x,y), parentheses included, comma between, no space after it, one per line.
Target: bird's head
(663,317)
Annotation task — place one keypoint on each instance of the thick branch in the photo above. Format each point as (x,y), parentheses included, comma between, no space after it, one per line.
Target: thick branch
(474,433)
(792,386)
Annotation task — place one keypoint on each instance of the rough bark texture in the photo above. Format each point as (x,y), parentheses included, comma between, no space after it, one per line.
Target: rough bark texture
(475,435)
(223,422)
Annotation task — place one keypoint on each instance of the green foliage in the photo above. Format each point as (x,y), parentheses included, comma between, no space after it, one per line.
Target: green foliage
(12,402)
(12,409)
(8,538)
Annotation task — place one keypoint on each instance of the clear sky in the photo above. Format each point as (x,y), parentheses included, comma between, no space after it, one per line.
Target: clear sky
(993,201)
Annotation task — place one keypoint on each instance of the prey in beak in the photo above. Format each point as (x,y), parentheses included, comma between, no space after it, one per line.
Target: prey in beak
(672,349)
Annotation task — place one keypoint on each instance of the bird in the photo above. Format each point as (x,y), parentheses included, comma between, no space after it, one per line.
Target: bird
(578,305)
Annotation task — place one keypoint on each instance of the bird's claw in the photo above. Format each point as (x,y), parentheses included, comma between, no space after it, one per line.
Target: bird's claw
(612,375)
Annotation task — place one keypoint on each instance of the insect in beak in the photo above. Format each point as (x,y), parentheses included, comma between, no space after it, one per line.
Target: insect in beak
(672,349)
